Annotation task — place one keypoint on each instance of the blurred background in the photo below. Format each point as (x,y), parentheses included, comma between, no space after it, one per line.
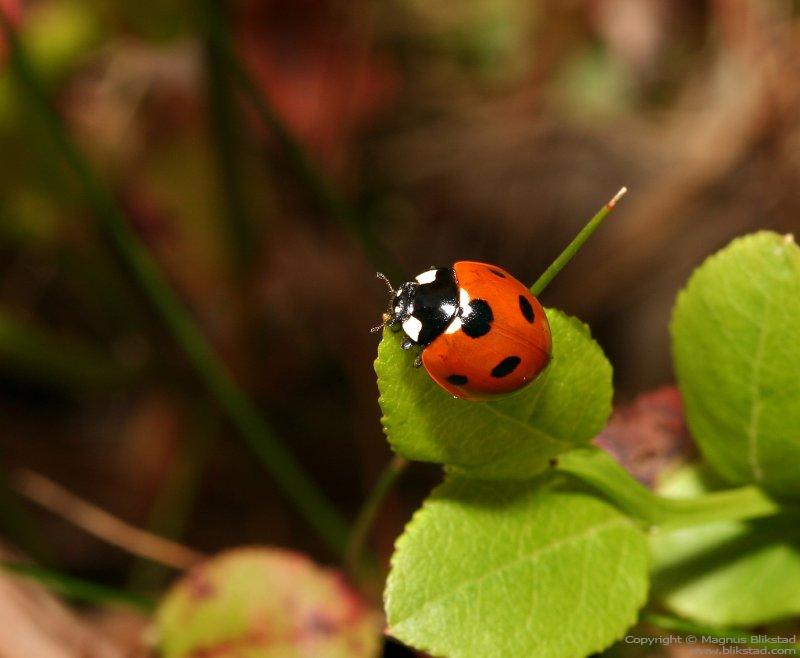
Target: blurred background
(272,155)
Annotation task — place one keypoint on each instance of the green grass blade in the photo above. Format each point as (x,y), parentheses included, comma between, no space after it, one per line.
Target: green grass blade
(224,122)
(324,195)
(574,247)
(35,354)
(76,589)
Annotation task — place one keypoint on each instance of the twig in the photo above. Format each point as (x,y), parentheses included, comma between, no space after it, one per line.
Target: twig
(368,512)
(101,524)
(286,472)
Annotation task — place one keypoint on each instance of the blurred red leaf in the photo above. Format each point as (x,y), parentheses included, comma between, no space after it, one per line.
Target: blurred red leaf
(648,434)
(319,71)
(12,10)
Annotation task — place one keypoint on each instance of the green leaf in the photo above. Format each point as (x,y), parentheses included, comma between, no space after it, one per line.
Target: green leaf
(728,573)
(265,603)
(513,568)
(510,438)
(736,344)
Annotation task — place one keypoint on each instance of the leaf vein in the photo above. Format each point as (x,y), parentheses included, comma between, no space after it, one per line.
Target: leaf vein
(756,404)
(530,557)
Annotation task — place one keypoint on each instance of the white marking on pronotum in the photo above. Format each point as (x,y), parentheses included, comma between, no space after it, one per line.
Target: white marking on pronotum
(412,326)
(427,277)
(454,326)
(448,308)
(409,309)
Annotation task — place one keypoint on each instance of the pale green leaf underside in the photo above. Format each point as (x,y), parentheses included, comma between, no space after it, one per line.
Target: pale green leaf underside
(498,569)
(729,573)
(510,438)
(736,344)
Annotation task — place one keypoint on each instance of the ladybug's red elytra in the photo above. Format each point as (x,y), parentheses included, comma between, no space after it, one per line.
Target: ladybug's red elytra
(481,332)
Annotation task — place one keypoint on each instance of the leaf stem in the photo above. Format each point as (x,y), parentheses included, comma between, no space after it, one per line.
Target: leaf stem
(286,472)
(573,247)
(368,513)
(598,469)
(77,589)
(684,627)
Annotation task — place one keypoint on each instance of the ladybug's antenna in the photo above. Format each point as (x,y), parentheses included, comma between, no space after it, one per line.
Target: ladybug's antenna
(386,320)
(385,279)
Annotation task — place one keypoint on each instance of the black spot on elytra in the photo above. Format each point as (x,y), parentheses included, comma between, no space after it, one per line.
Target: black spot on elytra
(506,366)
(497,273)
(526,308)
(457,380)
(478,319)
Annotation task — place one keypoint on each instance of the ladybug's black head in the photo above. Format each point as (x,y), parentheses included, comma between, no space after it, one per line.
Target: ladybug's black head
(400,303)
(424,306)
(403,302)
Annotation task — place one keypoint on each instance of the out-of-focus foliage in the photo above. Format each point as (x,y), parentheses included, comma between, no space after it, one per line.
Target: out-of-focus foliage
(265,603)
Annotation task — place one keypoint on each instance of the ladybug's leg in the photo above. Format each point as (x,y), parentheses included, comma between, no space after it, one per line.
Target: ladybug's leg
(407,343)
(418,361)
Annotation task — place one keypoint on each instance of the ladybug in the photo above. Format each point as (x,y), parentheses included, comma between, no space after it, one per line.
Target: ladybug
(481,333)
